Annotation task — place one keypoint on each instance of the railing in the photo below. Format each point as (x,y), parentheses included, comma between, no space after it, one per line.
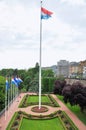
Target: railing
(3,111)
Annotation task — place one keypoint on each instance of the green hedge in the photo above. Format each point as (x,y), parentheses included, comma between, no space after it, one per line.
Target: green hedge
(66,120)
(11,122)
(71,122)
(48,84)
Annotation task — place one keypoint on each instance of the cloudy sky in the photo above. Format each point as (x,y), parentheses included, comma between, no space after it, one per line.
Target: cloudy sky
(63,35)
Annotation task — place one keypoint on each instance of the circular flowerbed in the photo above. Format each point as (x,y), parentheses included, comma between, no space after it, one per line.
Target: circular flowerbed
(41,110)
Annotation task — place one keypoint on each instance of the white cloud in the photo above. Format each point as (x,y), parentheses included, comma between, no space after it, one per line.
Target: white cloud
(63,35)
(74,2)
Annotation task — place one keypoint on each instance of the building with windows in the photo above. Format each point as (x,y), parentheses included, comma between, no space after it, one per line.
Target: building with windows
(73,69)
(82,65)
(63,68)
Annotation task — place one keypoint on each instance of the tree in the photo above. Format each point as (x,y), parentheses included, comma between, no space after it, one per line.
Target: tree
(75,94)
(66,92)
(2,92)
(79,95)
(59,85)
(47,73)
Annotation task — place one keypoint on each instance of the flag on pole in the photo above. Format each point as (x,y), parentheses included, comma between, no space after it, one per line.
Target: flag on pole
(14,82)
(45,14)
(18,80)
(7,85)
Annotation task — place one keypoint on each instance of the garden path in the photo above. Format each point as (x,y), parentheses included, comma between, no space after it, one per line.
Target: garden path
(14,107)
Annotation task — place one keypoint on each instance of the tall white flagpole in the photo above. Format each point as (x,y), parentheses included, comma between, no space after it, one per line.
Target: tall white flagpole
(40,55)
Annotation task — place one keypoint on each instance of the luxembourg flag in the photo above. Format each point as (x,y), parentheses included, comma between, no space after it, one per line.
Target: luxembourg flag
(14,82)
(18,80)
(45,14)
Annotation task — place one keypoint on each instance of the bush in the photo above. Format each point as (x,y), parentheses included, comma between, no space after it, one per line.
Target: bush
(30,116)
(62,116)
(18,116)
(66,122)
(59,112)
(51,115)
(26,95)
(40,116)
(70,128)
(13,129)
(19,112)
(16,123)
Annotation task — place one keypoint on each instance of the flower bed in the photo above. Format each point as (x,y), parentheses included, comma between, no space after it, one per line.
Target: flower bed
(41,110)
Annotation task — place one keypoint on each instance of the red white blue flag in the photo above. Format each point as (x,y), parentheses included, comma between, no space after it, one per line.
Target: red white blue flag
(45,14)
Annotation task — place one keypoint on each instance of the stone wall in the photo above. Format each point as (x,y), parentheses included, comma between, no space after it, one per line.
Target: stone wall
(70,81)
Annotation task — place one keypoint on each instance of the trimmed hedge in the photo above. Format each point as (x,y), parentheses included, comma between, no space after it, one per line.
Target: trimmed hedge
(11,122)
(66,120)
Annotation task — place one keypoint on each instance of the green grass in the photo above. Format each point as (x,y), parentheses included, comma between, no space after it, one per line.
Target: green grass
(53,124)
(32,99)
(75,109)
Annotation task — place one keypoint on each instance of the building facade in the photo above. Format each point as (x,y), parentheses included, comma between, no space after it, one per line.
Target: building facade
(82,65)
(63,68)
(73,69)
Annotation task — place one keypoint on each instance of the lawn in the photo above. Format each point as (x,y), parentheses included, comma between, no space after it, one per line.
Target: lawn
(76,110)
(35,98)
(52,124)
(29,100)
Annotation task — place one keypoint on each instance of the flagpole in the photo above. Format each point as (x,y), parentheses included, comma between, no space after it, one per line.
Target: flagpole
(11,92)
(8,102)
(40,55)
(5,101)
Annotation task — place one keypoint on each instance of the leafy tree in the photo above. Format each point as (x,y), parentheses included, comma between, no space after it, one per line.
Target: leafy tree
(59,85)
(75,94)
(2,100)
(2,92)
(66,92)
(47,73)
(79,95)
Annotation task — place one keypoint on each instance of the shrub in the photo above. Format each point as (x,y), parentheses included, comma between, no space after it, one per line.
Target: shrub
(12,129)
(62,116)
(51,115)
(40,116)
(66,122)
(19,112)
(59,112)
(29,115)
(26,95)
(16,123)
(18,116)
(70,128)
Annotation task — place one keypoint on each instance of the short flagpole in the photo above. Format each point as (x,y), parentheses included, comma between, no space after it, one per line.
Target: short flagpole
(8,102)
(5,101)
(40,55)
(11,92)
